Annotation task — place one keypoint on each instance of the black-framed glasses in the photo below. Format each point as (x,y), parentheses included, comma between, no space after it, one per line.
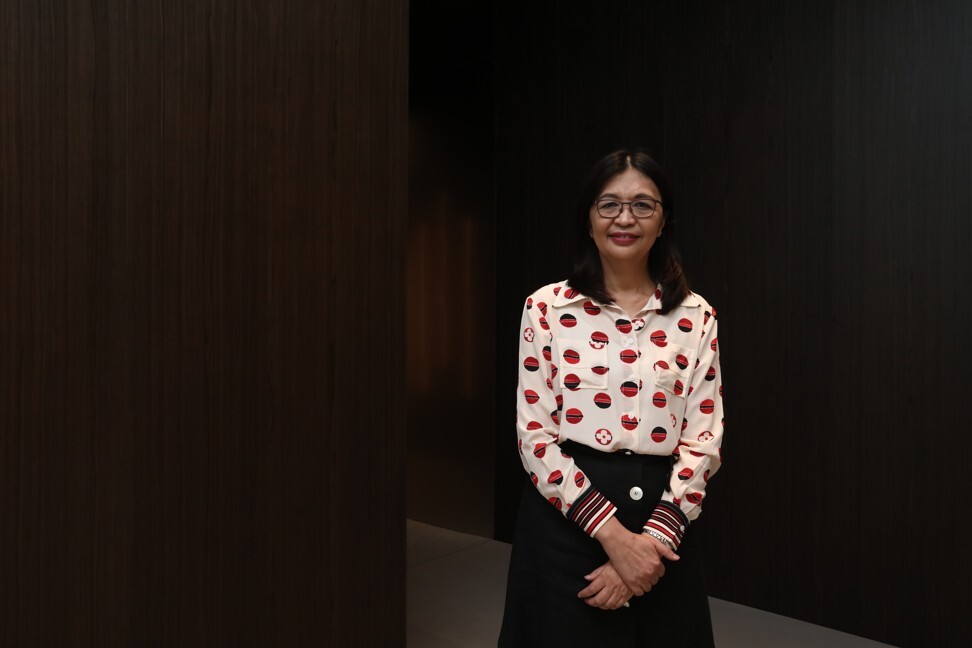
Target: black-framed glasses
(640,208)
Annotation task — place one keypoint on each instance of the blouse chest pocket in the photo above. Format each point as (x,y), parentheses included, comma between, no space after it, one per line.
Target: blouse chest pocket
(674,365)
(581,365)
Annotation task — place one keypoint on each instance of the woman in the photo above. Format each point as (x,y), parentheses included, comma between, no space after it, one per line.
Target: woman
(619,424)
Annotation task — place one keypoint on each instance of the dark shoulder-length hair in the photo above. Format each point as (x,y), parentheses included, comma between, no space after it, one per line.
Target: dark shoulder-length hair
(664,261)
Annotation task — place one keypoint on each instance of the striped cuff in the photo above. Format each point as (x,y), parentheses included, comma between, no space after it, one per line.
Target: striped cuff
(591,510)
(668,520)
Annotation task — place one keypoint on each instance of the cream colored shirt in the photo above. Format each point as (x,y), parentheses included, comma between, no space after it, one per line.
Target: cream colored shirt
(617,382)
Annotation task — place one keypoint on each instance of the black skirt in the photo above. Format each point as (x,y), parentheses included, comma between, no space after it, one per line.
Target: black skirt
(551,555)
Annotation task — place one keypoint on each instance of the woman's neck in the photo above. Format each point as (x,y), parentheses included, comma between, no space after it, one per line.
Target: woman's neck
(627,280)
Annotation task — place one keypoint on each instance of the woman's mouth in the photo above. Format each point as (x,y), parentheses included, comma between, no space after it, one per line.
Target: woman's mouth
(623,239)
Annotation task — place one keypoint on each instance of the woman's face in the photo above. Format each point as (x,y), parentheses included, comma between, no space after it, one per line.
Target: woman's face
(626,239)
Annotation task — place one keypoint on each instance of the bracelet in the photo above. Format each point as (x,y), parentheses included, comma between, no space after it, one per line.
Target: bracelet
(660,538)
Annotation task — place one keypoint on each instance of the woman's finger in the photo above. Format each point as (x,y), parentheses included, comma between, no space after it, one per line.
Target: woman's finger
(597,600)
(591,590)
(624,595)
(610,597)
(664,550)
(668,553)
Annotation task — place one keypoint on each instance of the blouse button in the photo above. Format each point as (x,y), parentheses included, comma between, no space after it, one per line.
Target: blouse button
(635,493)
(627,342)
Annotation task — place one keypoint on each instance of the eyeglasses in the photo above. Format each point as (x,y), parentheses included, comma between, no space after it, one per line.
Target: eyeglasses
(641,208)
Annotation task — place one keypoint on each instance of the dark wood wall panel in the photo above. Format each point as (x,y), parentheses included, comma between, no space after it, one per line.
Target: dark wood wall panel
(821,154)
(201,236)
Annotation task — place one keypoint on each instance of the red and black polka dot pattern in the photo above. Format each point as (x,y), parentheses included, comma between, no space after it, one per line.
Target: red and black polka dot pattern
(642,382)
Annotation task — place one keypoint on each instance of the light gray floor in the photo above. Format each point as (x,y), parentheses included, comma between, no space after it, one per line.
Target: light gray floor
(456,584)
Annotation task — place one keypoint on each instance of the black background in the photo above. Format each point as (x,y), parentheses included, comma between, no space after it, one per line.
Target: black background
(822,157)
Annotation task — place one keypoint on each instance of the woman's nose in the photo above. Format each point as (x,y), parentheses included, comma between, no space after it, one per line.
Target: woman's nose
(626,214)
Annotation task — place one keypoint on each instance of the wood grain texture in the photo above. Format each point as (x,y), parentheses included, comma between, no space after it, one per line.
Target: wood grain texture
(202,219)
(821,154)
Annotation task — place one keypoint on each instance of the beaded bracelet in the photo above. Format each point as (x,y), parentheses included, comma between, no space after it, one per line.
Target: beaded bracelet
(660,538)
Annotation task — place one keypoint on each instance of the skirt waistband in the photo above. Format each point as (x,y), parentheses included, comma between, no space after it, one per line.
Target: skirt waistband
(574,449)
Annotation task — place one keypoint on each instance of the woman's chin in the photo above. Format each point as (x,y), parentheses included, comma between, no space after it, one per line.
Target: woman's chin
(624,255)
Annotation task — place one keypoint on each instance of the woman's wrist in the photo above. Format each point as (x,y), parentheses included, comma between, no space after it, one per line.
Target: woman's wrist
(659,537)
(611,534)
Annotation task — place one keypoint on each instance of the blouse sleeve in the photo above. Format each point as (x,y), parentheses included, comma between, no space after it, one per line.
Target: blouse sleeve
(698,455)
(538,403)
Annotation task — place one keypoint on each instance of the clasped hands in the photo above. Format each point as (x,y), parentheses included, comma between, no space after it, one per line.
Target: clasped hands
(634,566)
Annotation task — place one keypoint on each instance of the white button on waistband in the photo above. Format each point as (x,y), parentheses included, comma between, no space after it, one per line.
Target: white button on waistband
(635,493)
(627,452)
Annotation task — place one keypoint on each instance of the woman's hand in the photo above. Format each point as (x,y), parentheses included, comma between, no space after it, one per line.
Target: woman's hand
(636,556)
(606,591)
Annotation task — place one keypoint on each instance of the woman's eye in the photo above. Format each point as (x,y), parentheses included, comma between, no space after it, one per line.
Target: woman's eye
(609,204)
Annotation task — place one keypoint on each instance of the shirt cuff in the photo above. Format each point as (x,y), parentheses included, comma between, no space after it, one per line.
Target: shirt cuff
(669,520)
(591,510)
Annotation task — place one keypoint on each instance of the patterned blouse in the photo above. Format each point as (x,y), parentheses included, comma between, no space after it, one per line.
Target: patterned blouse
(617,382)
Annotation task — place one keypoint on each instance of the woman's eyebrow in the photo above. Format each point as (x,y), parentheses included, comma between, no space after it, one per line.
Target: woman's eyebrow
(639,195)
